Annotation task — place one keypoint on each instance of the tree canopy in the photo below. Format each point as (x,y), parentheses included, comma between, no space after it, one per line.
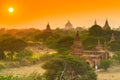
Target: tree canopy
(12,45)
(66,67)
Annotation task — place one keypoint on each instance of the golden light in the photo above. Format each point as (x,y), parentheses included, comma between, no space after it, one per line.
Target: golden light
(11,10)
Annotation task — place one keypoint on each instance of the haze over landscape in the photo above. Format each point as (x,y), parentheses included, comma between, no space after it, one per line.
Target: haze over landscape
(37,13)
(59,39)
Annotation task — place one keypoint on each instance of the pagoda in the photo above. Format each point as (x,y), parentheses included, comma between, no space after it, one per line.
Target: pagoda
(48,29)
(68,26)
(77,48)
(106,26)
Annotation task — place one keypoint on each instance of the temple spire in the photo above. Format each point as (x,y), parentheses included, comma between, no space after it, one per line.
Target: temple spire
(95,23)
(112,38)
(106,26)
(77,36)
(99,46)
(48,29)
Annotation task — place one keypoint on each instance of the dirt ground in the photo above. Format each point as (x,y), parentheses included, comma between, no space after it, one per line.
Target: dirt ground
(23,70)
(113,73)
(109,76)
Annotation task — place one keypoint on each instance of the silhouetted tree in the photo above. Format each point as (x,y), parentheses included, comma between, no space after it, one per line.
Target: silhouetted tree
(12,45)
(96,30)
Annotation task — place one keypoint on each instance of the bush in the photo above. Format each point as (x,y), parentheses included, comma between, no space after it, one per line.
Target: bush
(46,57)
(2,55)
(2,65)
(9,77)
(105,64)
(116,56)
(24,54)
(66,67)
(32,76)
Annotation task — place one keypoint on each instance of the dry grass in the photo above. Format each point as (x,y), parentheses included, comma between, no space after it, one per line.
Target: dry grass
(23,70)
(112,74)
(109,76)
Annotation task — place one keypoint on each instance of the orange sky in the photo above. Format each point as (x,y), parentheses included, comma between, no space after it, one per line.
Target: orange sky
(37,13)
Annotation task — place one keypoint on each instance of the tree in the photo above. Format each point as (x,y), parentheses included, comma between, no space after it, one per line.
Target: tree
(105,64)
(65,42)
(115,46)
(2,55)
(24,54)
(66,67)
(12,45)
(90,42)
(117,56)
(96,30)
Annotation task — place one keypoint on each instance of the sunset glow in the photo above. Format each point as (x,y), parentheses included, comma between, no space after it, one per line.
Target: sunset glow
(58,12)
(11,10)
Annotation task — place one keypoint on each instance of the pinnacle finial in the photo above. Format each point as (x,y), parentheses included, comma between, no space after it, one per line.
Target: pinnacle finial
(106,26)
(99,46)
(112,38)
(95,22)
(77,36)
(106,21)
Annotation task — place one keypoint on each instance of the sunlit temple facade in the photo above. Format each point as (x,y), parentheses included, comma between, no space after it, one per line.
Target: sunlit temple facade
(92,57)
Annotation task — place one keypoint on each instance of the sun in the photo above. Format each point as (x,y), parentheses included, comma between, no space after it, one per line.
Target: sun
(11,10)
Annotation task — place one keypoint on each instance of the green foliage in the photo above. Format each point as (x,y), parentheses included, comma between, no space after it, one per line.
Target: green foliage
(65,67)
(51,42)
(96,30)
(9,77)
(114,46)
(24,54)
(32,76)
(65,43)
(105,64)
(63,51)
(90,43)
(2,65)
(12,45)
(2,55)
(46,57)
(116,56)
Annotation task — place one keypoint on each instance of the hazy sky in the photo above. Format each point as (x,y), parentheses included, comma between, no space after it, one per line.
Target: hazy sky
(37,13)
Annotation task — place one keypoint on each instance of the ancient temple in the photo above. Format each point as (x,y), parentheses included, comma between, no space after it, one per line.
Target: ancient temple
(68,26)
(99,46)
(92,57)
(105,46)
(106,26)
(48,29)
(77,48)
(112,38)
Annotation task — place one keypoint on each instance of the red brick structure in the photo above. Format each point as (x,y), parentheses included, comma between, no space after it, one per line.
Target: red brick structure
(92,57)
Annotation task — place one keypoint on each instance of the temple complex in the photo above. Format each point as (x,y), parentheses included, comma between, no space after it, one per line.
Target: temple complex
(92,57)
